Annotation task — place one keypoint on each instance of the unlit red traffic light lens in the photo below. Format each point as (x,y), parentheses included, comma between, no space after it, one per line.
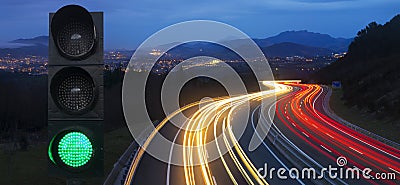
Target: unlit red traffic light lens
(76,39)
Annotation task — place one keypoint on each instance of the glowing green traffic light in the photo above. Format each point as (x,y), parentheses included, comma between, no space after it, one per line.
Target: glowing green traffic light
(75,149)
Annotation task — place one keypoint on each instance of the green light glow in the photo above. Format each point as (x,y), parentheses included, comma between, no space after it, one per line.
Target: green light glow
(75,149)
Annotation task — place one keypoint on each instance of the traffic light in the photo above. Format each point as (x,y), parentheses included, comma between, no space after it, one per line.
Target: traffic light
(75,93)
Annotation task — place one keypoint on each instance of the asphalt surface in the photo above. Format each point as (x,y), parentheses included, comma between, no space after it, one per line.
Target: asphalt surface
(301,118)
(302,124)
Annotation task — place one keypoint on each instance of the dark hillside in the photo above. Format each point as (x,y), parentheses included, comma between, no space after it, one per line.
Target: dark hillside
(370,72)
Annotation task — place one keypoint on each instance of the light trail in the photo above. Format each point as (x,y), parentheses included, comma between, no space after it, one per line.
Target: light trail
(142,149)
(299,113)
(335,138)
(213,111)
(195,137)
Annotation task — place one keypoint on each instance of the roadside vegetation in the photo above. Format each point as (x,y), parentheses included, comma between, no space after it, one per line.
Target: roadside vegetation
(385,127)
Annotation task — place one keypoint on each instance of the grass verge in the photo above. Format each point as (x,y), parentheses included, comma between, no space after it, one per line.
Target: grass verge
(387,128)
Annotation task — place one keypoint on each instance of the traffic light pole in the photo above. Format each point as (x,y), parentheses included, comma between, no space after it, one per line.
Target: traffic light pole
(75,181)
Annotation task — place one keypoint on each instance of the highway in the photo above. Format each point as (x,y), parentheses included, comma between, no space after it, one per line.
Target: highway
(301,131)
(301,118)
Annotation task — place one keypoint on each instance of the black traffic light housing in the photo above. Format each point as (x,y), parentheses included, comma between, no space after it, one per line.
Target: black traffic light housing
(75,90)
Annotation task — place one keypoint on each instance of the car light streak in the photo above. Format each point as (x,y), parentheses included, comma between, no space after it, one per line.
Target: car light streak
(298,111)
(337,139)
(202,118)
(195,137)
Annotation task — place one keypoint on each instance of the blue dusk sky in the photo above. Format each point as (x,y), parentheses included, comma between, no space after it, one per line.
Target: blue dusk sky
(130,22)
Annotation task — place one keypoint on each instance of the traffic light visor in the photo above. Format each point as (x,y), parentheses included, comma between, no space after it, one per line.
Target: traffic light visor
(74,32)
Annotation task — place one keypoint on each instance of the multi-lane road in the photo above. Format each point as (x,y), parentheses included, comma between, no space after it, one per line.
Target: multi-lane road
(215,151)
(302,119)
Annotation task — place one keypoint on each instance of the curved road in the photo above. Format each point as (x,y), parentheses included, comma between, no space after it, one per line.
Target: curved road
(299,119)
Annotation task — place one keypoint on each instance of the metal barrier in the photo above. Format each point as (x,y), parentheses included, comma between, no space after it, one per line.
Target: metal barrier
(331,114)
(122,162)
(126,159)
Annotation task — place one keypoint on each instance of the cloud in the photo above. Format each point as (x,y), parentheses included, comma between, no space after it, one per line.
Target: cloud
(322,1)
(319,5)
(125,18)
